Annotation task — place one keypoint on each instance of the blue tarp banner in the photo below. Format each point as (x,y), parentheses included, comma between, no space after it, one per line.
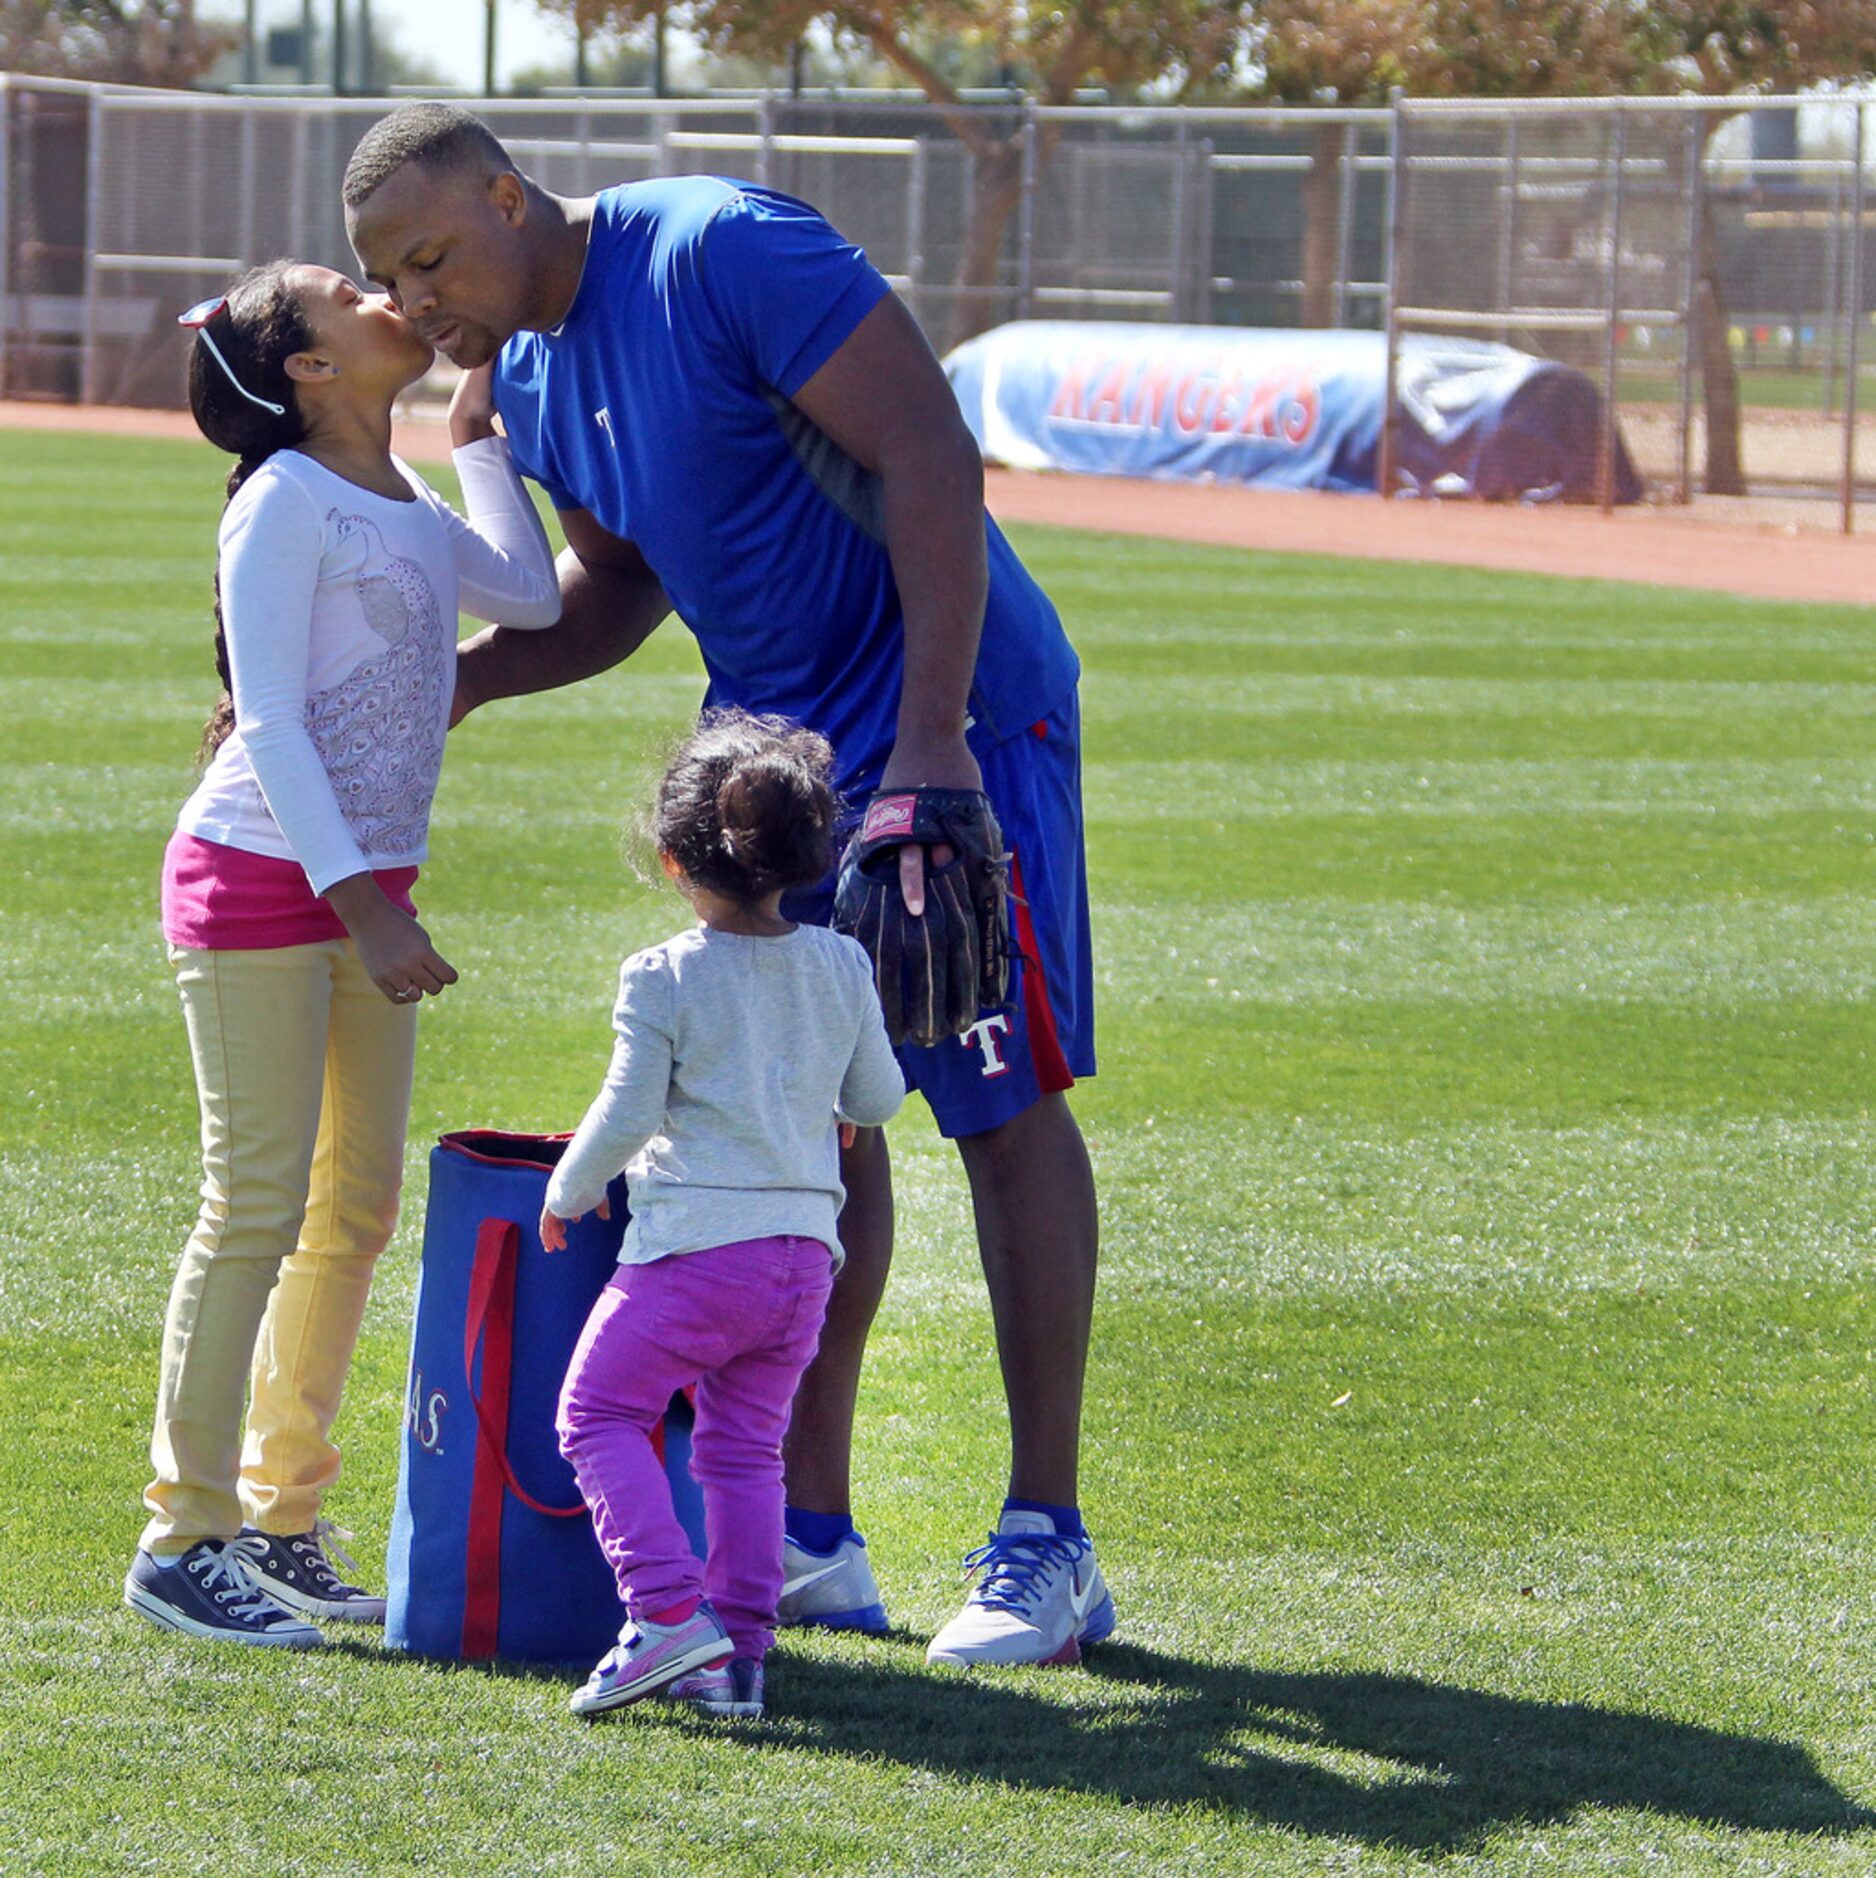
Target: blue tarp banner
(1291,409)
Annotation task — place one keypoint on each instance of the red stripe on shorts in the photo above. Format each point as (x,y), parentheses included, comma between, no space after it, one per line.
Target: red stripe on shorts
(1045,1046)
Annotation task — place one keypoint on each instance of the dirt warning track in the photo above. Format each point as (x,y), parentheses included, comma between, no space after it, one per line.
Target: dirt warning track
(1770,551)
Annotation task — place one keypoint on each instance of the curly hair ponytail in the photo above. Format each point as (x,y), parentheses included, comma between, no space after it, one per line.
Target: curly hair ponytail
(747,805)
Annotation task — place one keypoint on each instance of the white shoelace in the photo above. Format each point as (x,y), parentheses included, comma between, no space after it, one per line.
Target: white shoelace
(225,1577)
(328,1536)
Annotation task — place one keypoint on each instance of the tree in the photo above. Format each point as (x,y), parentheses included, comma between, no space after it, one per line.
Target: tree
(154,42)
(1048,51)
(1726,48)
(1356,51)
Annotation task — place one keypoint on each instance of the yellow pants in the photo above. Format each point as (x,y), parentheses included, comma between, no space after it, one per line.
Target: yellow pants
(303,1069)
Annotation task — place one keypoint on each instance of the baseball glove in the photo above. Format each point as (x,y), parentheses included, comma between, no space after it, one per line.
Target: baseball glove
(936,970)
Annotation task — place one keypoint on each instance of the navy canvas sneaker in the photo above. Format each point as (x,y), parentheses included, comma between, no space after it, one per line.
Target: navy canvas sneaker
(209,1593)
(297,1571)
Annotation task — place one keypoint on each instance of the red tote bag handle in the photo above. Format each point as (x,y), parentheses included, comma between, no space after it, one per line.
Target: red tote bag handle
(491,1322)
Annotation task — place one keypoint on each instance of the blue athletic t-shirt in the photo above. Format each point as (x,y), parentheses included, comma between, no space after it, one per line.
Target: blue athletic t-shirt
(660,406)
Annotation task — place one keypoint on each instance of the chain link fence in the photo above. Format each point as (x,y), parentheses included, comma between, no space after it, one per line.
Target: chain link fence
(1713,280)
(1706,263)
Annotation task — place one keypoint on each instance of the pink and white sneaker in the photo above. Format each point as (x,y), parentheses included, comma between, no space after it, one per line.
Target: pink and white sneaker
(649,1657)
(733,1690)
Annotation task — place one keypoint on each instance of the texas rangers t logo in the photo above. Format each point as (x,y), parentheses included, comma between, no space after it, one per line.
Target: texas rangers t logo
(982,1035)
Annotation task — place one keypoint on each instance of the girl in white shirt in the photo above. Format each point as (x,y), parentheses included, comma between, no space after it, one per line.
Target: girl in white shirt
(286,907)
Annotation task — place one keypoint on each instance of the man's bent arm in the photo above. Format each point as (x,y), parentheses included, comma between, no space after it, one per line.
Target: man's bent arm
(883,397)
(610,603)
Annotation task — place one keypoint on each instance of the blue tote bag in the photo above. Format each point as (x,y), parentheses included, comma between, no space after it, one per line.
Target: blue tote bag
(492,1552)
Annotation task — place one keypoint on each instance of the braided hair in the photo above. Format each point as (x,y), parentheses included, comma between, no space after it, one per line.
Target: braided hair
(257,329)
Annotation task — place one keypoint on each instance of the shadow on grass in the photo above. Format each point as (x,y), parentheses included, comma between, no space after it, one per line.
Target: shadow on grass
(1384,1759)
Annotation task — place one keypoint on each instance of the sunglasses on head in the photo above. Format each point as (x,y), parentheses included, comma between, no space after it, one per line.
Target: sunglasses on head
(196,320)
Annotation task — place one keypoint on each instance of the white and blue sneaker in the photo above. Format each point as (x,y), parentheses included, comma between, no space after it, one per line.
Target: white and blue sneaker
(1039,1598)
(209,1592)
(831,1590)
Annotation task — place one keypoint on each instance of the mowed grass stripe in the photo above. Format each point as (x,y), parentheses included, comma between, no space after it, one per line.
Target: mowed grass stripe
(1289,954)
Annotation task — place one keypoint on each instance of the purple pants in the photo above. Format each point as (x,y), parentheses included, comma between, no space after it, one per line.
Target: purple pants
(740,1322)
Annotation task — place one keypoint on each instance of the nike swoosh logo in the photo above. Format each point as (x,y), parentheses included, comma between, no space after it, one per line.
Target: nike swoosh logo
(791,1585)
(1080,1593)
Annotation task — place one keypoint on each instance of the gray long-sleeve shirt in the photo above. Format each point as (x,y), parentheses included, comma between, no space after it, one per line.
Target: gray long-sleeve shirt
(735,1059)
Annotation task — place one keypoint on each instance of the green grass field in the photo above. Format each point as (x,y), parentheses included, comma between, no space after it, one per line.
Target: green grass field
(1763,385)
(1481,1417)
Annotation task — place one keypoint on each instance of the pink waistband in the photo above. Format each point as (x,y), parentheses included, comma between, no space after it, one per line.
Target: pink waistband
(222,899)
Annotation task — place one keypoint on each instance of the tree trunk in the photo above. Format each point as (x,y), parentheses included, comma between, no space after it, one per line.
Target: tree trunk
(1719,377)
(998,193)
(1322,226)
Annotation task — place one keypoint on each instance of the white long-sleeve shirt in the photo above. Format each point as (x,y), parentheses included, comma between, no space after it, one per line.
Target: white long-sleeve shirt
(736,1058)
(339,607)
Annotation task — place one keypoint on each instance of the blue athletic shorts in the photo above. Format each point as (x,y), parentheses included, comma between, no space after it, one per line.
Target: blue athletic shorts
(1044,1041)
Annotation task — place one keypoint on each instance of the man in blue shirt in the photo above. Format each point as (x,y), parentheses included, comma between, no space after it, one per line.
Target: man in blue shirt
(739,422)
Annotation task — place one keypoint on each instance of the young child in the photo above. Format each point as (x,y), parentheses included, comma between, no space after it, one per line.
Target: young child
(744,1046)
(286,906)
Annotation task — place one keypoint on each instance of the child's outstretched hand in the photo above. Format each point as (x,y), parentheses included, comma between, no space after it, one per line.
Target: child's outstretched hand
(554,1227)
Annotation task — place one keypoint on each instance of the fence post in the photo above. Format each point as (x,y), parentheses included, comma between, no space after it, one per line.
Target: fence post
(1177,300)
(1834,283)
(296,184)
(94,210)
(1605,450)
(765,155)
(249,160)
(1026,224)
(198,170)
(1690,296)
(1207,210)
(1388,455)
(6,225)
(1345,219)
(1854,305)
(1508,227)
(915,226)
